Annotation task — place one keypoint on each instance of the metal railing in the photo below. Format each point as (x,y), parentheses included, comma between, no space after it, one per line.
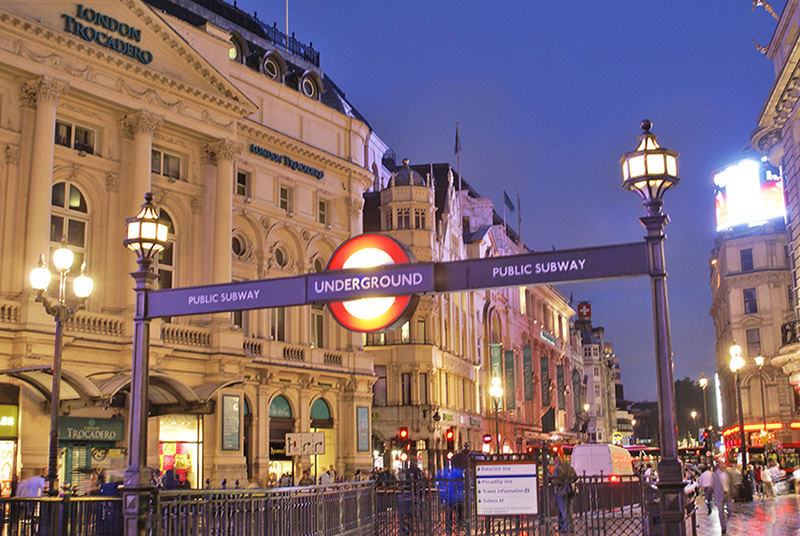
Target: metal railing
(624,506)
(61,516)
(346,509)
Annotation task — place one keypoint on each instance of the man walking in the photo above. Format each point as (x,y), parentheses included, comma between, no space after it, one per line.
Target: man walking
(564,478)
(721,484)
(705,483)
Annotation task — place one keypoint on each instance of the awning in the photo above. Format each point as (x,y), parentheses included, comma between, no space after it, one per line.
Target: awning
(166,393)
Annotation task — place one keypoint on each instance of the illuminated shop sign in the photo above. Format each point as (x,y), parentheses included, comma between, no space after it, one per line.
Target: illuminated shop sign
(372,314)
(286,161)
(8,420)
(749,192)
(89,429)
(108,28)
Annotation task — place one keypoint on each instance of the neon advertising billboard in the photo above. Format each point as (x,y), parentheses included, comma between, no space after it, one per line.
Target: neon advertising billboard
(749,192)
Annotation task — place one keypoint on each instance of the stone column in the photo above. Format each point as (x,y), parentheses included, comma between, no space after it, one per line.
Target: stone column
(41,93)
(139,127)
(222,154)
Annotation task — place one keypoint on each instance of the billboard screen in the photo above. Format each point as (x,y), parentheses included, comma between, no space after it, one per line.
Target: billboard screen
(749,192)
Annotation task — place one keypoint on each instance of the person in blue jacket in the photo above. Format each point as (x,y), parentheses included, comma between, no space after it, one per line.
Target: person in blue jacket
(450,483)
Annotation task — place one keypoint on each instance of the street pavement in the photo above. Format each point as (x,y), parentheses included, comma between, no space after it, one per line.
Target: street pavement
(778,516)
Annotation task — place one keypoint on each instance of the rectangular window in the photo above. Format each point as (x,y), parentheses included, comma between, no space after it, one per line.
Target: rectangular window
(750,302)
(322,211)
(753,337)
(465,224)
(403,218)
(419,218)
(317,326)
(791,297)
(379,387)
(166,164)
(522,301)
(405,335)
(240,319)
(388,225)
(405,387)
(746,257)
(74,136)
(242,184)
(421,336)
(285,198)
(277,324)
(164,267)
(423,387)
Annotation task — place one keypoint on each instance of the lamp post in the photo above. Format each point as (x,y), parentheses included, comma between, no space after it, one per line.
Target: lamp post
(147,236)
(650,170)
(703,383)
(737,362)
(586,408)
(61,312)
(496,392)
(693,413)
(760,363)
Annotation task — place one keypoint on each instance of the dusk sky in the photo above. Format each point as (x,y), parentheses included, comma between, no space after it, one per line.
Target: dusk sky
(549,95)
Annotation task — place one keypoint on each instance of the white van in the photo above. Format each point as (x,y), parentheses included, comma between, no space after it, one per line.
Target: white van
(601,458)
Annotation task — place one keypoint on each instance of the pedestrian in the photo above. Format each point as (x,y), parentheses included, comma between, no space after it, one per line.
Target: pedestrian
(705,483)
(721,484)
(564,478)
(32,486)
(306,480)
(766,480)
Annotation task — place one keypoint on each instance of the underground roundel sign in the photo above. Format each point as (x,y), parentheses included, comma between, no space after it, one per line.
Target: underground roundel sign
(372,314)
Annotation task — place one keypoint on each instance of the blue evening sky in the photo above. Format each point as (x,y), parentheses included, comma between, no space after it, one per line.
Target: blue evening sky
(549,95)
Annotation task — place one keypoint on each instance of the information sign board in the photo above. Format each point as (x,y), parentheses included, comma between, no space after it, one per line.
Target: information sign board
(507,488)
(300,443)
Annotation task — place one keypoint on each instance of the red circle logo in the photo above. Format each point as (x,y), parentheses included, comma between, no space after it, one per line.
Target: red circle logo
(371,314)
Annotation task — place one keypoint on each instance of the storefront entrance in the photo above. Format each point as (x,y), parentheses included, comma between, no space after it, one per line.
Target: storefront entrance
(281,422)
(88,446)
(322,421)
(180,448)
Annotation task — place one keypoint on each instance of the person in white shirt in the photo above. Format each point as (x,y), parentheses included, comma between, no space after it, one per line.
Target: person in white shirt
(722,494)
(706,485)
(766,479)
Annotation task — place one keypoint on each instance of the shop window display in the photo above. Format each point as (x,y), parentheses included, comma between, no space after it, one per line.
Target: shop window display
(180,449)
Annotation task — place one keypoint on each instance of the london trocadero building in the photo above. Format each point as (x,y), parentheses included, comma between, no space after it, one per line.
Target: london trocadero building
(258,163)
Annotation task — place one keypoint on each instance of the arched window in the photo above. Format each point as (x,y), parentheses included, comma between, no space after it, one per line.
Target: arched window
(69,219)
(280,408)
(321,414)
(165,263)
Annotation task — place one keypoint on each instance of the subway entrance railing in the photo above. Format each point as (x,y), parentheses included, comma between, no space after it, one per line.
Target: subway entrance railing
(415,506)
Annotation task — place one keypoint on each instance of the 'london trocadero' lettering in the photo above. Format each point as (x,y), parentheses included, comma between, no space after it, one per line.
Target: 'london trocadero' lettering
(222,297)
(90,433)
(88,33)
(367,282)
(538,268)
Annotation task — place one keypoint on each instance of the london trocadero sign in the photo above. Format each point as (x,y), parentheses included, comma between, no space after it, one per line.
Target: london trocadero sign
(381,270)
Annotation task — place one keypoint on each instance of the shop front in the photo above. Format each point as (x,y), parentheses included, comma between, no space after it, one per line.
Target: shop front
(88,446)
(180,448)
(9,416)
(281,422)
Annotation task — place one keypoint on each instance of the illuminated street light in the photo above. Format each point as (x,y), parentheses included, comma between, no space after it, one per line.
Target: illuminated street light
(146,235)
(496,392)
(82,285)
(650,170)
(760,364)
(736,364)
(703,383)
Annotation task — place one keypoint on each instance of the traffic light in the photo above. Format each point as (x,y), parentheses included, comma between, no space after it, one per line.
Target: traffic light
(402,434)
(450,436)
(487,438)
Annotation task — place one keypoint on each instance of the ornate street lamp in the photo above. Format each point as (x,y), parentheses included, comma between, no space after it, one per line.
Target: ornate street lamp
(145,234)
(650,170)
(61,311)
(736,364)
(496,392)
(703,383)
(760,364)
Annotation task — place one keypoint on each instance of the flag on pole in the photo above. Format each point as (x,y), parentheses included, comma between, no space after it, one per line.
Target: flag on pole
(458,143)
(508,202)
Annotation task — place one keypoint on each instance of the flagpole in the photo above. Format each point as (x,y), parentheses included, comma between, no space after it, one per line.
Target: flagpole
(505,227)
(458,155)
(519,221)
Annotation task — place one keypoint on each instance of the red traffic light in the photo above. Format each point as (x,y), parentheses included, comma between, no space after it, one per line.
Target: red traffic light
(450,434)
(487,438)
(403,433)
